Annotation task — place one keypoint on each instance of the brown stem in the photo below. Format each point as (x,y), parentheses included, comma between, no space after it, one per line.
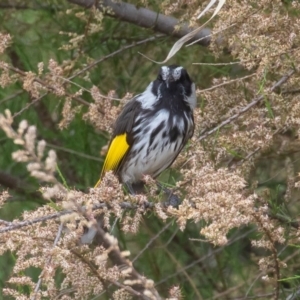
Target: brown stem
(146,18)
(133,279)
(274,254)
(282,80)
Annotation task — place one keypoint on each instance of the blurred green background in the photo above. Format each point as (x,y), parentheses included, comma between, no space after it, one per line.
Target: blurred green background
(37,27)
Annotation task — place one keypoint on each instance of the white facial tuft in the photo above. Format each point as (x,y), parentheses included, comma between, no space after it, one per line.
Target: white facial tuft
(176,73)
(192,99)
(147,98)
(165,72)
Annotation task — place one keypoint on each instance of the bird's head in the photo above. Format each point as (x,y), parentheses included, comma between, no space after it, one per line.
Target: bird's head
(175,80)
(171,73)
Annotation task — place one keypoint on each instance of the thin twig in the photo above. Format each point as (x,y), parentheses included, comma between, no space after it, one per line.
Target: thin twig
(115,254)
(5,222)
(242,62)
(28,105)
(294,91)
(86,90)
(223,294)
(37,287)
(44,84)
(219,64)
(282,80)
(16,225)
(12,96)
(97,61)
(170,239)
(245,159)
(210,35)
(286,260)
(74,152)
(152,240)
(263,296)
(95,272)
(274,254)
(93,64)
(227,82)
(205,258)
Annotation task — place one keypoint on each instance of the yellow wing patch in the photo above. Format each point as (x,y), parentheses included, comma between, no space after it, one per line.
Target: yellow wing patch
(116,152)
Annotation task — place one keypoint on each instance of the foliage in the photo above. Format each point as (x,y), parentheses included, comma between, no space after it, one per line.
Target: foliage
(65,73)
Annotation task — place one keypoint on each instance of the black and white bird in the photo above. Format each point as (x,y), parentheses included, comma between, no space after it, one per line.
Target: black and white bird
(153,127)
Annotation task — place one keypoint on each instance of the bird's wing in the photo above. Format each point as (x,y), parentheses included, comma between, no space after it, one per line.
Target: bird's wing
(188,136)
(116,151)
(122,138)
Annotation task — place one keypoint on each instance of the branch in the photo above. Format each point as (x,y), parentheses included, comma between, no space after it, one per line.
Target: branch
(91,65)
(37,287)
(274,251)
(20,186)
(45,84)
(17,6)
(95,272)
(146,18)
(206,257)
(234,165)
(136,282)
(282,80)
(227,82)
(152,240)
(97,61)
(16,225)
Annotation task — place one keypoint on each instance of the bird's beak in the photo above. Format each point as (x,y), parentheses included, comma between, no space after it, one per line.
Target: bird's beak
(169,80)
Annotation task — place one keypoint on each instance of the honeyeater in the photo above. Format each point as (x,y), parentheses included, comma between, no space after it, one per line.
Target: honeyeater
(152,128)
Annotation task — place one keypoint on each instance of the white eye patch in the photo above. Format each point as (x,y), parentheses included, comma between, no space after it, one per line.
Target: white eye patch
(176,73)
(165,72)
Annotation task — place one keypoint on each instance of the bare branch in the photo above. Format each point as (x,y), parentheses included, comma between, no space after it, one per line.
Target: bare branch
(206,257)
(234,165)
(273,249)
(5,222)
(88,67)
(44,84)
(227,82)
(152,240)
(146,18)
(97,61)
(282,80)
(37,287)
(136,281)
(17,93)
(20,186)
(16,225)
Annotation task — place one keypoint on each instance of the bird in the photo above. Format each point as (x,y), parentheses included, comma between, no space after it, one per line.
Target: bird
(150,132)
(152,128)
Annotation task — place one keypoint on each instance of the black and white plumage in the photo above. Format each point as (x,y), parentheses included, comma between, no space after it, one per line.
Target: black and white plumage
(153,127)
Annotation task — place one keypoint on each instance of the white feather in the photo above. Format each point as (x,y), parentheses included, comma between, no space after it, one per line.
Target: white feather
(177,73)
(165,72)
(147,98)
(192,100)
(154,161)
(179,122)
